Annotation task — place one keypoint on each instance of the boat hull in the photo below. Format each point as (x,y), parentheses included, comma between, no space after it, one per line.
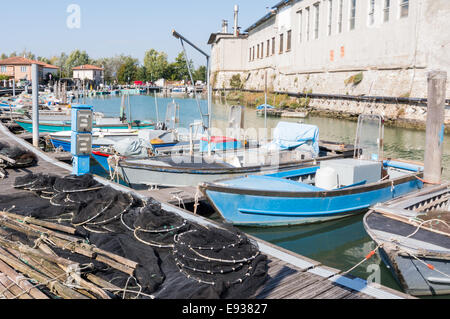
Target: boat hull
(267,208)
(397,248)
(53,128)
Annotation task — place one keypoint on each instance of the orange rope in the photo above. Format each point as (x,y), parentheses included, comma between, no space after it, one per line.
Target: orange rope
(426,182)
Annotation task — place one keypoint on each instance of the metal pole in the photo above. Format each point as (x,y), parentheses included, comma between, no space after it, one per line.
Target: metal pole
(208,66)
(35,98)
(435,126)
(265,102)
(14,87)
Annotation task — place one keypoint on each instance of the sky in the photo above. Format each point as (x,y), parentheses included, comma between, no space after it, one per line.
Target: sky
(108,28)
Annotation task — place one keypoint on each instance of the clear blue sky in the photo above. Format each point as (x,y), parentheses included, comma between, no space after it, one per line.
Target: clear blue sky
(120,27)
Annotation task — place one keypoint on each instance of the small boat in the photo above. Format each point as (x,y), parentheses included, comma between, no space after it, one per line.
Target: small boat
(100,137)
(57,126)
(229,159)
(327,190)
(413,236)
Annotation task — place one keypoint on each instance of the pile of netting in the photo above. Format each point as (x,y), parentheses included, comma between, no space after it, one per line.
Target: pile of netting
(14,157)
(175,258)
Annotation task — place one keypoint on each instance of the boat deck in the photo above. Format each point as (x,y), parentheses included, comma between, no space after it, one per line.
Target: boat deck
(291,276)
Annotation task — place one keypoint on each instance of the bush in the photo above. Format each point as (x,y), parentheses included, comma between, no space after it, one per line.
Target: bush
(236,82)
(354,79)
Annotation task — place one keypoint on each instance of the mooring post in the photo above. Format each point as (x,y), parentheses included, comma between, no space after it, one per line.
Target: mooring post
(435,126)
(35,98)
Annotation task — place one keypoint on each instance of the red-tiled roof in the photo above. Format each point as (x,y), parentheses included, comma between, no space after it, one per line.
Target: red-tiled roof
(18,60)
(87,67)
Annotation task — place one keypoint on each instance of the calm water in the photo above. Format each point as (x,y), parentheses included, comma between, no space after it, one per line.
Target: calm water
(340,244)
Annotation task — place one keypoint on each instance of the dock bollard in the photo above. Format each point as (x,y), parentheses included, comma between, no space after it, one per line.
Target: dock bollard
(81,140)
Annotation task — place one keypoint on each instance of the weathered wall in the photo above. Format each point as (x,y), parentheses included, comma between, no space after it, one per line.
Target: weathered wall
(393,57)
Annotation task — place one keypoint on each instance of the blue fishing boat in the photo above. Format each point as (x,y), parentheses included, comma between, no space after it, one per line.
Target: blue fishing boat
(328,190)
(57,126)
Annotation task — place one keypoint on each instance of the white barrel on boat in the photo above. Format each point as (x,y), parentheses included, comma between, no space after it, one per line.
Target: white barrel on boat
(327,178)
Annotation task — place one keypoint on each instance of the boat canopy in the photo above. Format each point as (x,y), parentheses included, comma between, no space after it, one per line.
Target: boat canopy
(267,106)
(289,135)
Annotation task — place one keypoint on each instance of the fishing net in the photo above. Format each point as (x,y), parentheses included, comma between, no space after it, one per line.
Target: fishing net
(20,157)
(175,258)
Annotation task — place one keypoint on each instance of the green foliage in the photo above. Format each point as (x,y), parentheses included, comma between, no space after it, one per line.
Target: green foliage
(354,79)
(236,82)
(3,77)
(128,71)
(155,64)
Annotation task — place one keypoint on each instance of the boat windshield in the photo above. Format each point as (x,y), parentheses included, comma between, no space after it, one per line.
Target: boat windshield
(369,137)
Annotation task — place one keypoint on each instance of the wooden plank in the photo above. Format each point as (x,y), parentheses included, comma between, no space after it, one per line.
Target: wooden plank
(293,286)
(313,290)
(335,293)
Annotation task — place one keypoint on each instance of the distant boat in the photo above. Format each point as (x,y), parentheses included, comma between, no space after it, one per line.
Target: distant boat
(414,238)
(265,106)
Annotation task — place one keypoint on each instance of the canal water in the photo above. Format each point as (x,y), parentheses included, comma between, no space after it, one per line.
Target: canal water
(340,244)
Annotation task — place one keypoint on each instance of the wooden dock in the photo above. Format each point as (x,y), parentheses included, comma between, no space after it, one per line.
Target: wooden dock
(291,276)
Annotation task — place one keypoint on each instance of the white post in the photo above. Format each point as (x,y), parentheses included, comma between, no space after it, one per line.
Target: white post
(14,87)
(35,98)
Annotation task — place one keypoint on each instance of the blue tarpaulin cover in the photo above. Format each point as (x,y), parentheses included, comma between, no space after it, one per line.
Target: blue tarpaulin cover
(293,135)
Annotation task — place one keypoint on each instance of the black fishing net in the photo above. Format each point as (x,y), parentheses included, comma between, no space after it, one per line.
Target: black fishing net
(176,258)
(21,158)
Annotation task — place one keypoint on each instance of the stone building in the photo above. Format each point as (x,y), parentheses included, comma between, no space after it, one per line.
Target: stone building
(346,47)
(19,68)
(89,72)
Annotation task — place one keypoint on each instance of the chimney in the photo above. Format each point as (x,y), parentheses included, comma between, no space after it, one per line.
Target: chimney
(236,12)
(224,26)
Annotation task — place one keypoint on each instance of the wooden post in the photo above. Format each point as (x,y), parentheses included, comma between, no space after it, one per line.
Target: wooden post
(435,126)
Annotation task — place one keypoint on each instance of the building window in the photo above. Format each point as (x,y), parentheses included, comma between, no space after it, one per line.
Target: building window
(253,56)
(262,50)
(23,69)
(3,69)
(300,25)
(273,45)
(250,54)
(341,5)
(404,8)
(281,42)
(386,9)
(288,40)
(352,14)
(308,19)
(316,20)
(371,12)
(257,52)
(268,48)
(330,15)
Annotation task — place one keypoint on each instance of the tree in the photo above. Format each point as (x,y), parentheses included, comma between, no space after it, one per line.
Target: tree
(4,56)
(141,74)
(181,68)
(156,64)
(128,70)
(200,74)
